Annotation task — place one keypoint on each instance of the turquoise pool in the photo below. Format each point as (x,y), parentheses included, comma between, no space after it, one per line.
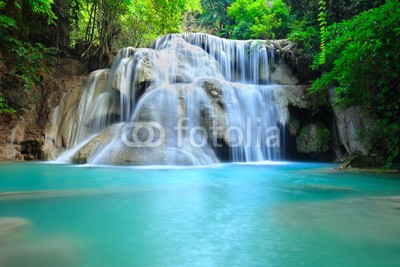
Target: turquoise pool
(271,214)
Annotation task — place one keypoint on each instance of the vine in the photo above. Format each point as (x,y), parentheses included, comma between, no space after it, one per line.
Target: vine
(322,31)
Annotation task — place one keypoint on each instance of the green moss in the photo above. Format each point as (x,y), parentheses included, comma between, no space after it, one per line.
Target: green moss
(323,138)
(313,138)
(359,160)
(294,125)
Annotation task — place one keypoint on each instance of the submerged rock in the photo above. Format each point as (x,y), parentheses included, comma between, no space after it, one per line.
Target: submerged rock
(365,220)
(57,251)
(327,188)
(10,225)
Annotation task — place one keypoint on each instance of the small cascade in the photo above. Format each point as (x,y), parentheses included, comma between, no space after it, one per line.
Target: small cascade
(11,146)
(256,118)
(183,101)
(97,109)
(238,61)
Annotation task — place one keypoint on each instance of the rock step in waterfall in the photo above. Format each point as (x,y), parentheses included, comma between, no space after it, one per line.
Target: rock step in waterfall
(188,99)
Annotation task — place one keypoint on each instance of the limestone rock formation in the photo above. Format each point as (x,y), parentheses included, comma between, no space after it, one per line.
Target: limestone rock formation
(283,74)
(350,123)
(24,137)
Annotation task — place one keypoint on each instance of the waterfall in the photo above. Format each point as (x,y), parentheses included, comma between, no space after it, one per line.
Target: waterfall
(238,61)
(11,146)
(187,99)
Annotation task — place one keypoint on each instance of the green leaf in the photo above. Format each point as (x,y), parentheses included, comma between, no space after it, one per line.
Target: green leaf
(7,22)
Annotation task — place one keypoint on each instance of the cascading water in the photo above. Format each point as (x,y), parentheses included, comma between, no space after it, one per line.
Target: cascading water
(238,61)
(184,100)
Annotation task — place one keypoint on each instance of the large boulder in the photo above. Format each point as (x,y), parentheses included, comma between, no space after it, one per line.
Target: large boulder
(95,144)
(215,91)
(114,146)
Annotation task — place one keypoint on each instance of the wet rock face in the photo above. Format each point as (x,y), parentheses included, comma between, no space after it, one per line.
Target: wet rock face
(215,92)
(23,136)
(10,152)
(90,148)
(351,124)
(65,122)
(293,95)
(31,149)
(282,74)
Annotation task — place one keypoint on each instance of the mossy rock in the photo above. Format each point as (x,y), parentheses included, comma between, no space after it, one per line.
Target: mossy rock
(313,138)
(361,161)
(294,126)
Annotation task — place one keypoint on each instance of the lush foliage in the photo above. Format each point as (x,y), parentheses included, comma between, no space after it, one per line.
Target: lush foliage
(4,107)
(259,19)
(32,32)
(363,64)
(29,60)
(104,25)
(214,18)
(308,22)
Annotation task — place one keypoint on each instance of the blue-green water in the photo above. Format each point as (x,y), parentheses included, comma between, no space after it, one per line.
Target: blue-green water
(290,214)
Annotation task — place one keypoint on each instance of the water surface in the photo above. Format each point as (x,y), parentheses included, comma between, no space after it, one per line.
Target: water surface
(288,214)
